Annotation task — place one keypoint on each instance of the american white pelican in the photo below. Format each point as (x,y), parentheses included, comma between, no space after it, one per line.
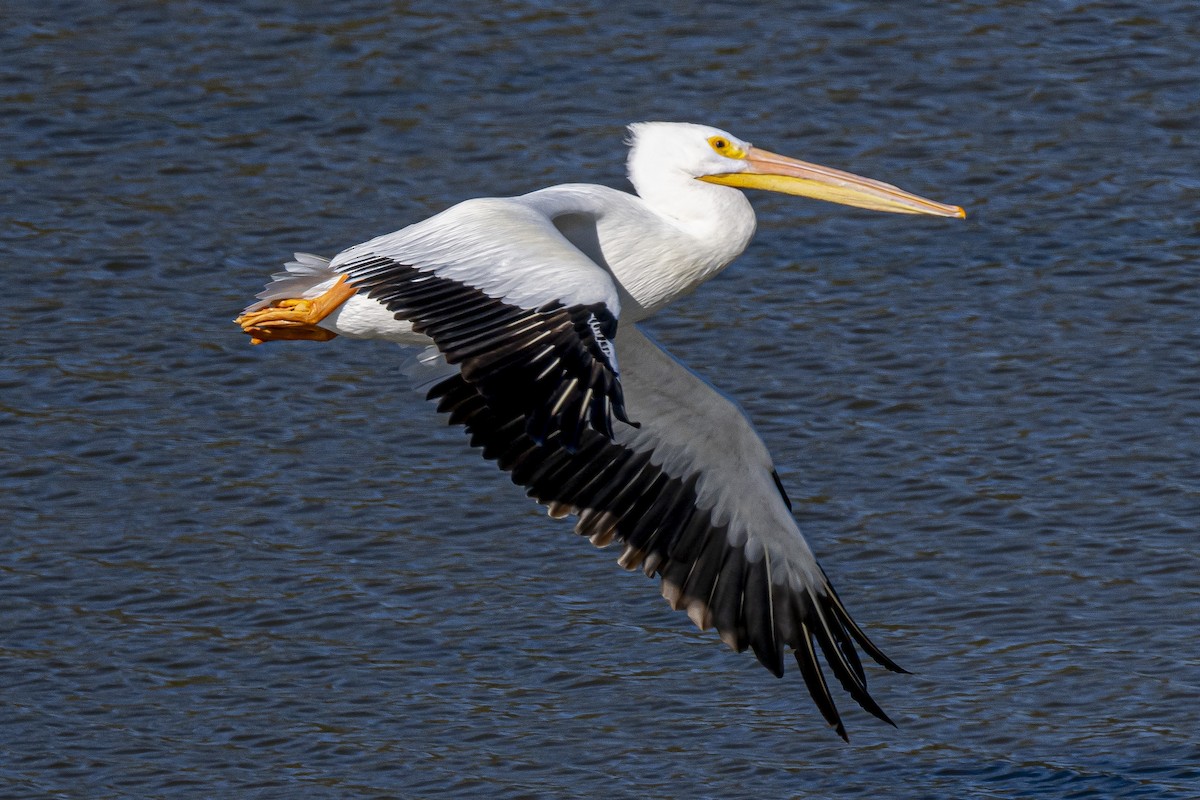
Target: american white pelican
(527,305)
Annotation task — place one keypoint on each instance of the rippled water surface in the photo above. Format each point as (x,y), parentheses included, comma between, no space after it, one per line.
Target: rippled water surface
(273,572)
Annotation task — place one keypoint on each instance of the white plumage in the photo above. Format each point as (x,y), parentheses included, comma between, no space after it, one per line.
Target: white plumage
(531,301)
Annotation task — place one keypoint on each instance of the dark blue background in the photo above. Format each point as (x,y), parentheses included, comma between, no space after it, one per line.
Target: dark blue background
(273,572)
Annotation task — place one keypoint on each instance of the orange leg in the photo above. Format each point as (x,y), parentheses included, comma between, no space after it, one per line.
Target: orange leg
(293,319)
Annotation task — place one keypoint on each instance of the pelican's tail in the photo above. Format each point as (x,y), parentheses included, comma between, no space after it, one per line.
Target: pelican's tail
(306,277)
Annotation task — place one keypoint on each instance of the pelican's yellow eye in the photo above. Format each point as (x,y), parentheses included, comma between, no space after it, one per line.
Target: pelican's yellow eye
(725,147)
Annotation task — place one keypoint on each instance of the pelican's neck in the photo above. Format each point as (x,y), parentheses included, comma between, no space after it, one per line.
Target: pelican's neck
(719,217)
(718,220)
(659,245)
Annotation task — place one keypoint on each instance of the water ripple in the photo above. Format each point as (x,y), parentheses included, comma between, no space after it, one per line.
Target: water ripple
(269,572)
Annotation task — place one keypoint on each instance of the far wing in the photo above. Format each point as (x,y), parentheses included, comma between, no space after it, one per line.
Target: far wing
(693,497)
(527,317)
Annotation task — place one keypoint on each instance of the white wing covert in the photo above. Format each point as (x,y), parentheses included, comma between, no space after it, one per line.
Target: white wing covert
(694,498)
(528,318)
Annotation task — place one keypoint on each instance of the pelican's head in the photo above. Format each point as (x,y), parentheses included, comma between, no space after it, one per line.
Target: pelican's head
(715,156)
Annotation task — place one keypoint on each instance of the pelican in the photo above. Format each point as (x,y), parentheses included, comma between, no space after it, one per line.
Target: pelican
(526,310)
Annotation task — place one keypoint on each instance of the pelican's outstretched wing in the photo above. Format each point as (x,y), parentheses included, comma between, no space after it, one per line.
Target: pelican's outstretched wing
(694,498)
(528,318)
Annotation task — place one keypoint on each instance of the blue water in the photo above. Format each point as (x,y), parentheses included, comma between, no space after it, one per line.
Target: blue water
(273,572)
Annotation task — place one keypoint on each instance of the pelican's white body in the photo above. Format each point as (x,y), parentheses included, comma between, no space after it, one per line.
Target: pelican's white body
(653,247)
